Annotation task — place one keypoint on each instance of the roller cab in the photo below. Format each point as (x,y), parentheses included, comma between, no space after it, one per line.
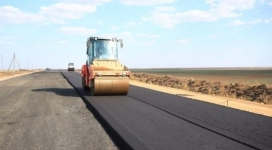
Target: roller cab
(103,74)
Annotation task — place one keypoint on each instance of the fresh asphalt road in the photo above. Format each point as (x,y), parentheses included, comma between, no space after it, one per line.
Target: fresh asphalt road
(42,111)
(147,119)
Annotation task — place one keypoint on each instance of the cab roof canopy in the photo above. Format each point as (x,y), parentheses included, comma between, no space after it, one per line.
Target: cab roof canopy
(101,38)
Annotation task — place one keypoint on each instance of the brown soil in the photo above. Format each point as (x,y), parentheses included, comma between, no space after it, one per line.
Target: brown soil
(8,74)
(258,93)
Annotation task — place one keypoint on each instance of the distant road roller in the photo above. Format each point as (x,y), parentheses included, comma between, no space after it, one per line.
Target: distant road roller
(71,67)
(103,74)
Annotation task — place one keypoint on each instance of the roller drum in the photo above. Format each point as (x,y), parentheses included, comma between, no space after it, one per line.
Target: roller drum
(111,86)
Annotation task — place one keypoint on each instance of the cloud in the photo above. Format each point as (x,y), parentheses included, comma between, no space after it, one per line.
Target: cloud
(78,30)
(114,27)
(100,22)
(262,1)
(146,43)
(127,37)
(266,2)
(165,9)
(235,4)
(62,11)
(257,21)
(7,40)
(211,2)
(183,41)
(215,35)
(61,42)
(164,19)
(56,13)
(268,20)
(3,42)
(42,45)
(146,2)
(240,23)
(236,23)
(91,2)
(126,34)
(169,17)
(10,14)
(133,24)
(148,35)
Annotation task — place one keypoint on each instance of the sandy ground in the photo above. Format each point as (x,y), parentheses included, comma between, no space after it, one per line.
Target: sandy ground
(4,75)
(253,107)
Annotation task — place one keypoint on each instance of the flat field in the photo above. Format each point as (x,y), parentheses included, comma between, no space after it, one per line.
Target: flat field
(250,76)
(13,72)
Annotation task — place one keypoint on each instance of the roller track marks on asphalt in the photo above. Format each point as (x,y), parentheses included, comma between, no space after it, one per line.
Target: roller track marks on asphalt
(147,119)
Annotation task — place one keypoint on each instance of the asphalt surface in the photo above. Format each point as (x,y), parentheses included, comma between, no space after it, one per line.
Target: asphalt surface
(147,119)
(43,111)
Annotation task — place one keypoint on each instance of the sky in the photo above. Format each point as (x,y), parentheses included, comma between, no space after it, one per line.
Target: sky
(156,33)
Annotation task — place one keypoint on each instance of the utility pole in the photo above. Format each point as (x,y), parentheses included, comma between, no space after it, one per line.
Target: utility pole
(11,62)
(14,61)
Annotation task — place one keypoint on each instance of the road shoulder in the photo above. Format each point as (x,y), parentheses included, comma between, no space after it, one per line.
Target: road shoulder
(17,74)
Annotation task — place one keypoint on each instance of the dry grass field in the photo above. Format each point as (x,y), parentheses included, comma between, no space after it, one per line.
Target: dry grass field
(248,84)
(13,73)
(249,76)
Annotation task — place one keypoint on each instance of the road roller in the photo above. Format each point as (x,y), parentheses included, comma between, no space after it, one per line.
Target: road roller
(103,74)
(71,67)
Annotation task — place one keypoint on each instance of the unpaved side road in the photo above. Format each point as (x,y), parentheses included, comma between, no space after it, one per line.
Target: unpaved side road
(42,111)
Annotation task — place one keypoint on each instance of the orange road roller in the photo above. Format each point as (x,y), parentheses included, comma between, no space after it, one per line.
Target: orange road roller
(103,74)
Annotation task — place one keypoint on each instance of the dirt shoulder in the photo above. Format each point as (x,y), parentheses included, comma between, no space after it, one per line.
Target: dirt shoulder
(4,75)
(244,105)
(257,93)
